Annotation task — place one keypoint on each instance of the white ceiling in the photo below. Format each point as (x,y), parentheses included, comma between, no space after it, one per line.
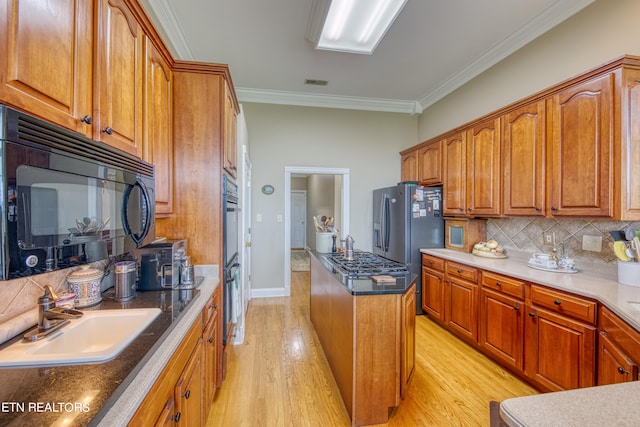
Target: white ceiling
(434,47)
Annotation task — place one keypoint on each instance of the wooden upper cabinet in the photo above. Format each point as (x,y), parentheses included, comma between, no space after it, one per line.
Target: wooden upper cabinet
(118,82)
(629,194)
(409,166)
(230,133)
(454,175)
(581,149)
(46,60)
(483,169)
(158,126)
(523,154)
(430,163)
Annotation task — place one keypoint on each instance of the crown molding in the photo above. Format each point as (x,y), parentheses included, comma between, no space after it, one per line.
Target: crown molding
(527,33)
(327,101)
(168,22)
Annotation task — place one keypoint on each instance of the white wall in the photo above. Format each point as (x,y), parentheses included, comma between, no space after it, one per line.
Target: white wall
(367,143)
(599,33)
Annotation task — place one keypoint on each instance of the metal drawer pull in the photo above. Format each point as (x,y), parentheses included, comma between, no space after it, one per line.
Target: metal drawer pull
(498,284)
(622,371)
(556,302)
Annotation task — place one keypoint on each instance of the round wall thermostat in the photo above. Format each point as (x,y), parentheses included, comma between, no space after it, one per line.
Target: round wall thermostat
(267,189)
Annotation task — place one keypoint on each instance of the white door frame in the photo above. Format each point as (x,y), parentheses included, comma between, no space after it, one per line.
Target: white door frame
(288,171)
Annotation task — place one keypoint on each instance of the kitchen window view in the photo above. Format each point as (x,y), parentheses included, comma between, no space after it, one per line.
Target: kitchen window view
(409,213)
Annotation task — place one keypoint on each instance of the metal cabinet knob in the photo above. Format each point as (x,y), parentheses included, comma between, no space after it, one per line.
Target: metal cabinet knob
(107,130)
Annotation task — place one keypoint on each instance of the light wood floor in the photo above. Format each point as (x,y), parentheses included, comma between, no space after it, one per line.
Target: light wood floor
(280,377)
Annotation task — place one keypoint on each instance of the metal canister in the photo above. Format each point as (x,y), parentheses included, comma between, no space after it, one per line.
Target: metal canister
(125,288)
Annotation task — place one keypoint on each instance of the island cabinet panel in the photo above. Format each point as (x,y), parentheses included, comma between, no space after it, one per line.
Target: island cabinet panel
(483,169)
(46,60)
(408,335)
(581,148)
(119,64)
(523,156)
(369,345)
(618,349)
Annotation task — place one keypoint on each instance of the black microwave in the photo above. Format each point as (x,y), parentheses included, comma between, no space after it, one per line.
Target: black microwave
(67,200)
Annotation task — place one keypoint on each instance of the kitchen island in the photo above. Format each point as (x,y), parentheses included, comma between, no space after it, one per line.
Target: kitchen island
(367,332)
(108,393)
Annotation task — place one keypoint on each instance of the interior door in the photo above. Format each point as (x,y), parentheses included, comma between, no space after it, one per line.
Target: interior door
(298,219)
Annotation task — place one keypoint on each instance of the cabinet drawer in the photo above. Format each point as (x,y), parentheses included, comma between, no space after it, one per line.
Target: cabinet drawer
(503,284)
(562,303)
(432,262)
(462,271)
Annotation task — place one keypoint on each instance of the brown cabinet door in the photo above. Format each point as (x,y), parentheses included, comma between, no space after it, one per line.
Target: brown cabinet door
(158,126)
(501,327)
(454,176)
(167,417)
(483,169)
(581,144)
(559,352)
(46,60)
(614,365)
(409,166)
(408,359)
(119,77)
(210,353)
(523,157)
(461,312)
(230,134)
(430,164)
(188,391)
(433,293)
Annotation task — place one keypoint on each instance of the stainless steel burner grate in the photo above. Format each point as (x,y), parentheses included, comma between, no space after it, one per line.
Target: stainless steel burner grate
(366,264)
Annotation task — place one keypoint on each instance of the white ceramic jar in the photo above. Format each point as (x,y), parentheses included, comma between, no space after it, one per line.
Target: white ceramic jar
(85,284)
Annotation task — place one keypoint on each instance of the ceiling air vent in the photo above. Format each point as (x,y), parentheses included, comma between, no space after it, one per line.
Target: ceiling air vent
(316,82)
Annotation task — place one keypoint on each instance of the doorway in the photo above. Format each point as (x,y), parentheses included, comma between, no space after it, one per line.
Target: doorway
(344,213)
(298,219)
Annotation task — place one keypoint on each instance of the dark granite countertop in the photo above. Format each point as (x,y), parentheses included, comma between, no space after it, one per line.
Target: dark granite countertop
(366,286)
(85,394)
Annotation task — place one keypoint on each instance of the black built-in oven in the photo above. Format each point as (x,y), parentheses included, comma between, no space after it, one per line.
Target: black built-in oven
(230,237)
(67,200)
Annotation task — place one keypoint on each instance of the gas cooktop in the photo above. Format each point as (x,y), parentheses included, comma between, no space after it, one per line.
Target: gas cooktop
(366,264)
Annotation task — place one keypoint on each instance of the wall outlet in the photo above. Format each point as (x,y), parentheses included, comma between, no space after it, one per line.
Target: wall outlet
(592,243)
(549,238)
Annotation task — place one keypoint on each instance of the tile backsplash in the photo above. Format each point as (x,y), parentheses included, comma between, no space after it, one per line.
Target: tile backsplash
(18,299)
(525,234)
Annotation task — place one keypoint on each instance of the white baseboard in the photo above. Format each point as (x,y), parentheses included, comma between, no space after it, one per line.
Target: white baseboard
(270,292)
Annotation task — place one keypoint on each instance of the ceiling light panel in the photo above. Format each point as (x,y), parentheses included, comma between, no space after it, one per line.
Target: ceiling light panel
(355,26)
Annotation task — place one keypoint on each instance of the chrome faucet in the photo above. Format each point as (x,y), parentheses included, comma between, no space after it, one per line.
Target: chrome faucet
(50,317)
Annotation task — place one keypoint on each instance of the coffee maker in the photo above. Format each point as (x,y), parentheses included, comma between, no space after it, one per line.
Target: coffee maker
(160,264)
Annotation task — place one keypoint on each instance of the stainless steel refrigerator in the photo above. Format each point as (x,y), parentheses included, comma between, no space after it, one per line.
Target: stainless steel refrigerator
(406,218)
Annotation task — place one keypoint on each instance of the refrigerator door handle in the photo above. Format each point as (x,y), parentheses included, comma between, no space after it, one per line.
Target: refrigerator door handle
(386,226)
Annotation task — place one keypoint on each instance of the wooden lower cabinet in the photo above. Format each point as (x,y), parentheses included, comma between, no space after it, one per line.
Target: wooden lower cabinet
(559,351)
(211,348)
(544,335)
(433,293)
(501,327)
(461,300)
(184,391)
(618,350)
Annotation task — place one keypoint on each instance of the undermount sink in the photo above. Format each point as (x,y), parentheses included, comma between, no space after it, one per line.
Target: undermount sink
(97,336)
